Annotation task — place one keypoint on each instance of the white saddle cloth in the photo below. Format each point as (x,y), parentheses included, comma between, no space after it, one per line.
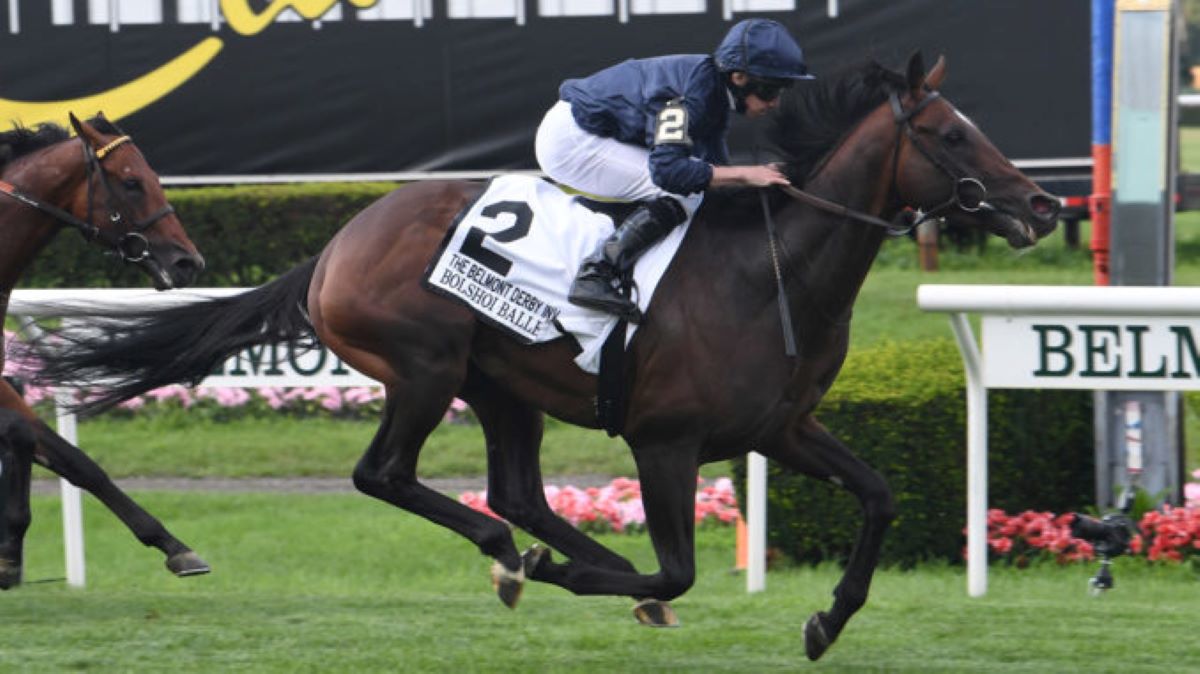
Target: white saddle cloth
(513,255)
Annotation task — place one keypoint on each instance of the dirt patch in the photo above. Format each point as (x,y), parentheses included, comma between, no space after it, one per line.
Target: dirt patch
(305,485)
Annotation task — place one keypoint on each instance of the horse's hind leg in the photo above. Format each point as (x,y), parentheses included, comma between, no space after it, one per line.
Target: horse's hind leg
(513,431)
(16,449)
(808,448)
(387,471)
(67,460)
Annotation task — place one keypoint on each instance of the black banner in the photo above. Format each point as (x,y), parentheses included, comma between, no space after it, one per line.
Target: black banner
(259,96)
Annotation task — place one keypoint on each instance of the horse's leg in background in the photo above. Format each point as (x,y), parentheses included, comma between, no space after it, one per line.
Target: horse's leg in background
(68,461)
(16,452)
(513,431)
(808,448)
(387,471)
(668,475)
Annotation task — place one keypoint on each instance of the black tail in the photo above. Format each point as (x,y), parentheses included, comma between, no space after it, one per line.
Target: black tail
(119,354)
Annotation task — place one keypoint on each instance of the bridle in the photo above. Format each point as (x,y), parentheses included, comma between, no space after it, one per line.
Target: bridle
(967,194)
(131,245)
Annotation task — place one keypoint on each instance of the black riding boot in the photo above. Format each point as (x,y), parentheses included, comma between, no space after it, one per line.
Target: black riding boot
(596,285)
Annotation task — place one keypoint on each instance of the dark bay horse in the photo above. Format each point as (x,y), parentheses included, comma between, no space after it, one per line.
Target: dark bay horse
(98,183)
(707,376)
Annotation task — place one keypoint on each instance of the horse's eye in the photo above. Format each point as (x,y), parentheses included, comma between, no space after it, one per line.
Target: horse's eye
(954,136)
(132,184)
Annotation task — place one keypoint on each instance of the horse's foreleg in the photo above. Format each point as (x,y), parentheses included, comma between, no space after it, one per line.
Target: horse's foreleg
(16,451)
(513,431)
(68,461)
(808,448)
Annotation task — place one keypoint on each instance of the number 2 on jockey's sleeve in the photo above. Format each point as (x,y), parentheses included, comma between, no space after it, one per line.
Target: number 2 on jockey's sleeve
(671,128)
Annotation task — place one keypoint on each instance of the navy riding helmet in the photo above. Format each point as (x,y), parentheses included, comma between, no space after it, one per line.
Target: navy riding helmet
(764,50)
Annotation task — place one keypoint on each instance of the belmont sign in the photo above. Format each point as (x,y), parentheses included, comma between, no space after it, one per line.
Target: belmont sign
(286,365)
(1097,352)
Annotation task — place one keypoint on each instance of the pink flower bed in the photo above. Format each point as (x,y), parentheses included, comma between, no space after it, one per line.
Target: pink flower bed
(1166,535)
(617,506)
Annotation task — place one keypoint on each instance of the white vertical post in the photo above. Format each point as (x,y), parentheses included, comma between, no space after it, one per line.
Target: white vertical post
(214,7)
(831,8)
(114,15)
(14,17)
(756,522)
(623,11)
(72,501)
(976,457)
(418,13)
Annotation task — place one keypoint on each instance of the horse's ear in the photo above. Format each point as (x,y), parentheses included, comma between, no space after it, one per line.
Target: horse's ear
(936,74)
(916,72)
(75,123)
(85,130)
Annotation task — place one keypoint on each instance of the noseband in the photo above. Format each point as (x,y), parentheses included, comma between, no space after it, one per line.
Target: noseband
(132,245)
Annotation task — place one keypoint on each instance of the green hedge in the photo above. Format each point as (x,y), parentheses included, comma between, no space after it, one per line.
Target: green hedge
(902,409)
(247,234)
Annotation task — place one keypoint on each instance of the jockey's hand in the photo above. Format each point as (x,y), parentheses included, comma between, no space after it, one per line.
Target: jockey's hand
(767,175)
(748,176)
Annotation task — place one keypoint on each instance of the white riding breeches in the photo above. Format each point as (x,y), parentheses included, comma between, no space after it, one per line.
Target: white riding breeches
(597,166)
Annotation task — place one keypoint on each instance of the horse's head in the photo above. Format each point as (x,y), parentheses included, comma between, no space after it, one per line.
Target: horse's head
(947,167)
(123,202)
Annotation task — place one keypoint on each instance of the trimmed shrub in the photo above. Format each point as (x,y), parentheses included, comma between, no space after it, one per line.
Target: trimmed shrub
(247,234)
(902,409)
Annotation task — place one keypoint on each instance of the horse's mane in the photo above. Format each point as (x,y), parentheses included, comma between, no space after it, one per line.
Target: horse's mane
(22,140)
(812,119)
(814,116)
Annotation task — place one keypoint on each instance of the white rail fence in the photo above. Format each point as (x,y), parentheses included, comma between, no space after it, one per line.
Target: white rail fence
(267,366)
(1073,337)
(271,366)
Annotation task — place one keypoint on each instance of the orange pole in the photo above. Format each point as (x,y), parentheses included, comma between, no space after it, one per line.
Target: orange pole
(743,545)
(1100,205)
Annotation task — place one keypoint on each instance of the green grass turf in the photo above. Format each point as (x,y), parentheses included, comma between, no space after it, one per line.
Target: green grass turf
(341,583)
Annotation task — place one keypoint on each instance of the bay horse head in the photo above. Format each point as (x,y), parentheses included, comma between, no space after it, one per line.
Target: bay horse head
(909,148)
(122,204)
(945,166)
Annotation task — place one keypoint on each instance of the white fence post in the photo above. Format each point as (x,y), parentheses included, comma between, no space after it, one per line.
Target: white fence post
(72,499)
(756,522)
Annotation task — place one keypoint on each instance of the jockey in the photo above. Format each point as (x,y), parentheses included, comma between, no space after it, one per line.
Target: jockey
(653,130)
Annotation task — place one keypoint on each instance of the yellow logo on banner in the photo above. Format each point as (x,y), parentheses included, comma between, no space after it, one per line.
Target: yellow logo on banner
(126,99)
(246,21)
(120,101)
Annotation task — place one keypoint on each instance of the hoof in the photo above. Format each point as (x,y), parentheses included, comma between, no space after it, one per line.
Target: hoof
(187,564)
(655,613)
(508,584)
(10,575)
(533,558)
(816,639)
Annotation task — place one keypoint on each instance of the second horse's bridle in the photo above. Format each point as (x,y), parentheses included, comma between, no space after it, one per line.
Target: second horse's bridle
(132,244)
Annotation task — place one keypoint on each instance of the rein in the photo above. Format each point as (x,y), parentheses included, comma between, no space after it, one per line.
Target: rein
(132,245)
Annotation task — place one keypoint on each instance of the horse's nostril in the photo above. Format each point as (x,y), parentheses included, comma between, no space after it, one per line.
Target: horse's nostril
(1044,206)
(190,263)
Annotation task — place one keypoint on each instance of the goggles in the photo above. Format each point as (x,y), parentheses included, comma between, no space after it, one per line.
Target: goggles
(766,89)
